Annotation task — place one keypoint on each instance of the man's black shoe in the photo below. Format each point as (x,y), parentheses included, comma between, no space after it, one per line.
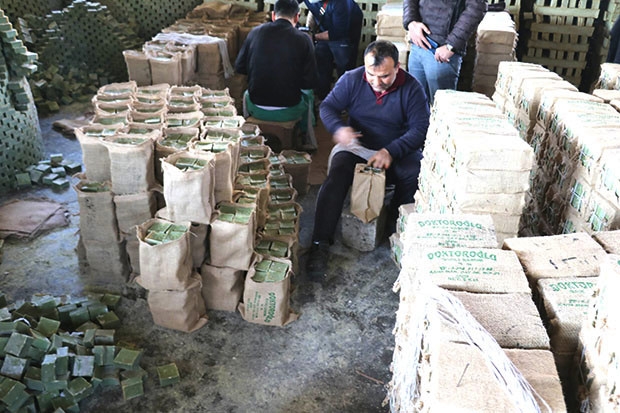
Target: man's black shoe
(316,266)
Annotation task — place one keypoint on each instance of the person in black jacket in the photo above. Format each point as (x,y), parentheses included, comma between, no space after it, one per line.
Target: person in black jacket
(438,31)
(337,31)
(279,62)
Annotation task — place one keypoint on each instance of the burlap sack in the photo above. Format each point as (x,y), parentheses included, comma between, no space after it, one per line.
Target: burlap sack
(166,146)
(187,60)
(148,118)
(98,222)
(131,165)
(209,63)
(94,153)
(257,196)
(132,247)
(511,329)
(476,270)
(166,266)
(565,302)
(279,213)
(222,287)
(138,66)
(185,119)
(458,230)
(267,302)
(231,244)
(297,164)
(223,190)
(118,89)
(367,192)
(106,263)
(557,256)
(182,310)
(189,194)
(223,122)
(165,68)
(279,247)
(134,209)
(609,240)
(112,108)
(183,104)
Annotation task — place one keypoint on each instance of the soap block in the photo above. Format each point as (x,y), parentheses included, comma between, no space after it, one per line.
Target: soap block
(79,388)
(60,171)
(48,368)
(78,316)
(32,379)
(60,384)
(5,314)
(64,312)
(23,179)
(106,376)
(45,303)
(62,361)
(14,367)
(132,388)
(13,394)
(65,404)
(83,366)
(60,183)
(18,344)
(3,341)
(89,338)
(168,374)
(109,320)
(96,309)
(56,158)
(89,325)
(104,355)
(104,337)
(44,400)
(111,300)
(6,328)
(73,168)
(48,179)
(36,176)
(128,359)
(47,326)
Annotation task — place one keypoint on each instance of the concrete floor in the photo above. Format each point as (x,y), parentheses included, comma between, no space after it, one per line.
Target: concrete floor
(334,358)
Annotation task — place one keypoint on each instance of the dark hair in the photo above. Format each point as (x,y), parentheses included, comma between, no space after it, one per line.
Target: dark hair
(286,8)
(381,49)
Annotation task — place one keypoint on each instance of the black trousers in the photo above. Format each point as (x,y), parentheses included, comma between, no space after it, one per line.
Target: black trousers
(403,174)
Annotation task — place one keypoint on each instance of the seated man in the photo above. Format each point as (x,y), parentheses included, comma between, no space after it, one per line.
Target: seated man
(338,26)
(388,119)
(279,62)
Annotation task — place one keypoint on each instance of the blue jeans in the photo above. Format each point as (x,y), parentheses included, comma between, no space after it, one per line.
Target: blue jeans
(330,54)
(431,74)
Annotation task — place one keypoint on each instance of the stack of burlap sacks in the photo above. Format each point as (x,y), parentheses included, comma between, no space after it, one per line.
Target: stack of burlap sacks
(573,187)
(133,145)
(463,346)
(474,162)
(390,27)
(199,49)
(607,86)
(598,362)
(496,41)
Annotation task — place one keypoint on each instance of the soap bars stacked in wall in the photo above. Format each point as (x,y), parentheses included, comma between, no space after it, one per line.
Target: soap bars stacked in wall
(599,367)
(438,362)
(143,137)
(496,40)
(474,162)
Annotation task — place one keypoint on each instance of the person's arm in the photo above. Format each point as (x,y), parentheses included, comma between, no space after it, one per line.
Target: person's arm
(417,114)
(310,77)
(466,24)
(337,20)
(336,101)
(412,21)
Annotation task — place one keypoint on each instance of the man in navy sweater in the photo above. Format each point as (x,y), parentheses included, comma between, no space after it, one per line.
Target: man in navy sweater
(388,116)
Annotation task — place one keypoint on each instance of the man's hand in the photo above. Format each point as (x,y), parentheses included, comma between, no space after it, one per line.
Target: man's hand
(381,159)
(323,36)
(443,55)
(417,34)
(346,135)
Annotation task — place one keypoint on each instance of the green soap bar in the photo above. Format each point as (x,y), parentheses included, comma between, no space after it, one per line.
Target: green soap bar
(32,379)
(36,176)
(11,391)
(60,183)
(43,167)
(158,226)
(155,238)
(177,228)
(7,328)
(44,400)
(96,309)
(109,320)
(62,361)
(5,315)
(88,325)
(45,302)
(3,341)
(65,404)
(73,168)
(3,302)
(18,344)
(40,341)
(60,171)
(128,359)
(64,312)
(49,179)
(111,300)
(173,236)
(107,375)
(14,367)
(79,388)
(104,355)
(132,388)
(168,374)
(23,179)
(104,337)
(47,326)
(83,366)
(89,338)
(56,158)
(48,368)
(78,316)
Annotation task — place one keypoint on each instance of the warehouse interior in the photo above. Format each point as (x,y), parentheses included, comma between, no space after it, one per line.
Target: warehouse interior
(518,208)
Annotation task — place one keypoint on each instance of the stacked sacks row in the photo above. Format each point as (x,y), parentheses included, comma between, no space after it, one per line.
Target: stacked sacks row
(187,144)
(474,162)
(389,27)
(447,338)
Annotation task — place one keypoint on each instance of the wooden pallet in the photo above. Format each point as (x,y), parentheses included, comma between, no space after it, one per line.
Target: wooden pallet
(571,13)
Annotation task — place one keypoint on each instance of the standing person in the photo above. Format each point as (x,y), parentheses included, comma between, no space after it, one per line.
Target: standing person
(279,62)
(438,31)
(338,27)
(388,119)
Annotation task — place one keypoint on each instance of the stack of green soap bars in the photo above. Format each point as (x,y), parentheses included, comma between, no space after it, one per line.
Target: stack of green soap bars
(190,164)
(274,248)
(162,232)
(270,271)
(176,140)
(236,214)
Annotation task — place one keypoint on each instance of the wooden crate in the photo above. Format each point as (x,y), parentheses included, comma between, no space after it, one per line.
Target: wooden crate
(571,13)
